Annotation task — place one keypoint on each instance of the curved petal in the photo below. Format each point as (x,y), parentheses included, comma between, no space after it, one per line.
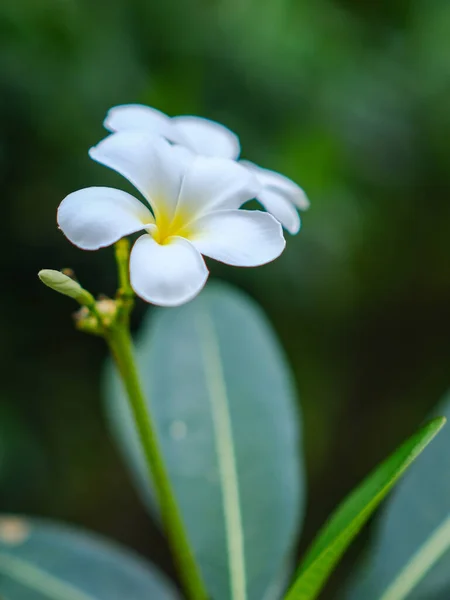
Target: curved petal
(282,209)
(215,183)
(200,135)
(137,116)
(150,163)
(206,137)
(244,238)
(279,183)
(169,274)
(99,216)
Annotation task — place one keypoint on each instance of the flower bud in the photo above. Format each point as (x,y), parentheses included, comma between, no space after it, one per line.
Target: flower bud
(65,285)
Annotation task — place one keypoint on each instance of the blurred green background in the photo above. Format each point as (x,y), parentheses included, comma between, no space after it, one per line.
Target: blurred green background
(348,98)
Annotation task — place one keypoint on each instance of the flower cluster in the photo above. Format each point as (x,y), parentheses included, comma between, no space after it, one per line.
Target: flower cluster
(188,171)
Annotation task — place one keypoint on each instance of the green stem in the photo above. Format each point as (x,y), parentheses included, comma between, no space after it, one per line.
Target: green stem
(122,251)
(121,345)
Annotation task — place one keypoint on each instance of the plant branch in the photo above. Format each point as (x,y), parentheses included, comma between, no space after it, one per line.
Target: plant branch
(120,343)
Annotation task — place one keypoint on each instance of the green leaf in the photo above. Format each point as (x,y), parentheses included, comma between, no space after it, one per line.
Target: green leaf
(222,398)
(41,560)
(351,515)
(410,555)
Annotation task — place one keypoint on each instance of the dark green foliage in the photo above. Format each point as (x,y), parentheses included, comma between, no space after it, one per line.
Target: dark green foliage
(350,99)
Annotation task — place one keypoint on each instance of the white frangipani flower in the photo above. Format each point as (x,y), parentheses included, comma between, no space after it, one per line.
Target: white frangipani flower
(202,136)
(194,203)
(279,195)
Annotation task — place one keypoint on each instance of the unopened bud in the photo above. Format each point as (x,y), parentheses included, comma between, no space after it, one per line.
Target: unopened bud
(65,285)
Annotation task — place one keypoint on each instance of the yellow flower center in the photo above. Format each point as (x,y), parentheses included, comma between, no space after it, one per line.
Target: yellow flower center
(168,226)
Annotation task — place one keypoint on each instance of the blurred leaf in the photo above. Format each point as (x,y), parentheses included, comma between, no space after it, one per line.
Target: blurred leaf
(410,557)
(223,402)
(347,521)
(42,560)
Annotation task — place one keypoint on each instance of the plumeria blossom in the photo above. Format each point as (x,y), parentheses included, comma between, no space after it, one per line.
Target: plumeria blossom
(192,210)
(279,195)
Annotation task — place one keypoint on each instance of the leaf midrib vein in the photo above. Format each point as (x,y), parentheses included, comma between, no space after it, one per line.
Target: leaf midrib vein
(420,563)
(226,457)
(35,578)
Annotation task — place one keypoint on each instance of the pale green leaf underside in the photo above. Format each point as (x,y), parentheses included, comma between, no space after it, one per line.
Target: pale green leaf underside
(226,456)
(420,564)
(410,553)
(37,580)
(224,407)
(40,560)
(347,521)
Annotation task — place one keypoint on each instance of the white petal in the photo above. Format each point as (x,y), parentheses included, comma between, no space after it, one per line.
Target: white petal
(169,274)
(244,238)
(150,163)
(200,135)
(136,116)
(98,216)
(215,183)
(207,137)
(279,183)
(282,209)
